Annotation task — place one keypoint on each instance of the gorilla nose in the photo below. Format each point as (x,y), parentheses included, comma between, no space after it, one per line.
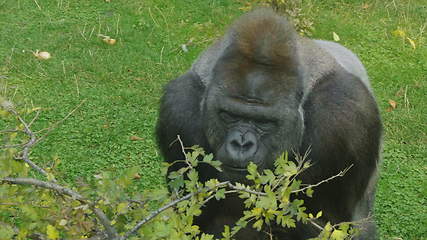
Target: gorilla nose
(241,146)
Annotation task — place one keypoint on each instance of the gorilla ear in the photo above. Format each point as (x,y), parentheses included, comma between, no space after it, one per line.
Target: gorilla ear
(266,38)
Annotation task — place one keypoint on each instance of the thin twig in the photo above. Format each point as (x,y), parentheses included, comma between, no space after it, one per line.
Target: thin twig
(167,206)
(183,152)
(34,119)
(315,224)
(242,189)
(340,174)
(10,131)
(35,1)
(12,146)
(53,126)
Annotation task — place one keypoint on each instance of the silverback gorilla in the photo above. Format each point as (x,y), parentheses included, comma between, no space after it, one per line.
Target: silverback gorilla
(262,90)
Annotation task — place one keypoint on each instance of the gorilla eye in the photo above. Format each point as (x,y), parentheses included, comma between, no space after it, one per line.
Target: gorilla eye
(264,124)
(228,117)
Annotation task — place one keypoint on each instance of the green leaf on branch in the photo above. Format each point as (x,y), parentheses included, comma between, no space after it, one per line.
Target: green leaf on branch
(220,194)
(51,232)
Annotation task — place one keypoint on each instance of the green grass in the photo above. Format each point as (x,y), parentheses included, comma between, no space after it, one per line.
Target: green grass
(121,84)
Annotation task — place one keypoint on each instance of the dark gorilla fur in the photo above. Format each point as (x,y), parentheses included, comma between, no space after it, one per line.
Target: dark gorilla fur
(262,90)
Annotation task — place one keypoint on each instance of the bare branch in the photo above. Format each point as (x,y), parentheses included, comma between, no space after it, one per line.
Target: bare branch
(12,146)
(111,232)
(340,174)
(313,222)
(25,156)
(10,131)
(242,189)
(48,185)
(34,118)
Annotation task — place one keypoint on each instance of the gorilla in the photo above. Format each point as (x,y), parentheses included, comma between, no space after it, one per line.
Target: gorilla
(261,90)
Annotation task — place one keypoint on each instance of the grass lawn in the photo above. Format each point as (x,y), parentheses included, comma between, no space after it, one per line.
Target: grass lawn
(121,84)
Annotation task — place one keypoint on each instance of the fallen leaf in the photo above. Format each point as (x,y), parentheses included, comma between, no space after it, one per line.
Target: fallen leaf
(392,103)
(399,33)
(184,48)
(365,6)
(411,42)
(400,92)
(136,176)
(136,138)
(335,36)
(107,39)
(42,55)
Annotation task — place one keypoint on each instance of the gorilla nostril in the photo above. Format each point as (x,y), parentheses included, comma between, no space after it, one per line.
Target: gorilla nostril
(247,145)
(236,144)
(241,146)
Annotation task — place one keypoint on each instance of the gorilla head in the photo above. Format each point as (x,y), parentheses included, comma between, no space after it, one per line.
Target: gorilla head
(253,103)
(262,90)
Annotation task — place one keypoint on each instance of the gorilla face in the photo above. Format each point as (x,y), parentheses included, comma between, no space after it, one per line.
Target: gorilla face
(249,120)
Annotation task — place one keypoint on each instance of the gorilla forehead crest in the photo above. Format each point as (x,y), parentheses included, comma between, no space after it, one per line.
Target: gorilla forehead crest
(265,38)
(261,59)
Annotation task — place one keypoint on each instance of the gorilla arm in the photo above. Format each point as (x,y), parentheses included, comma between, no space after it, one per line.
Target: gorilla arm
(180,115)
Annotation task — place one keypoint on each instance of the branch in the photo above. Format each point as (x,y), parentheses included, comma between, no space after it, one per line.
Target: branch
(111,232)
(315,224)
(12,146)
(167,206)
(9,131)
(340,174)
(25,156)
(242,189)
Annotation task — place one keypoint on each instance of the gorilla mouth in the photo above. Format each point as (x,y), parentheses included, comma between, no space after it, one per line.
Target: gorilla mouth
(229,168)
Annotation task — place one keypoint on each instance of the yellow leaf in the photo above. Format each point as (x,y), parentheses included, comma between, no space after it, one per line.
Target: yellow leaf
(335,36)
(4,113)
(328,227)
(257,211)
(399,33)
(122,208)
(136,138)
(411,42)
(51,232)
(338,235)
(13,135)
(319,214)
(50,176)
(392,103)
(33,109)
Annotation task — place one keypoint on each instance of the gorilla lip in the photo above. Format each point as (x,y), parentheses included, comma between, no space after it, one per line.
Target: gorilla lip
(233,169)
